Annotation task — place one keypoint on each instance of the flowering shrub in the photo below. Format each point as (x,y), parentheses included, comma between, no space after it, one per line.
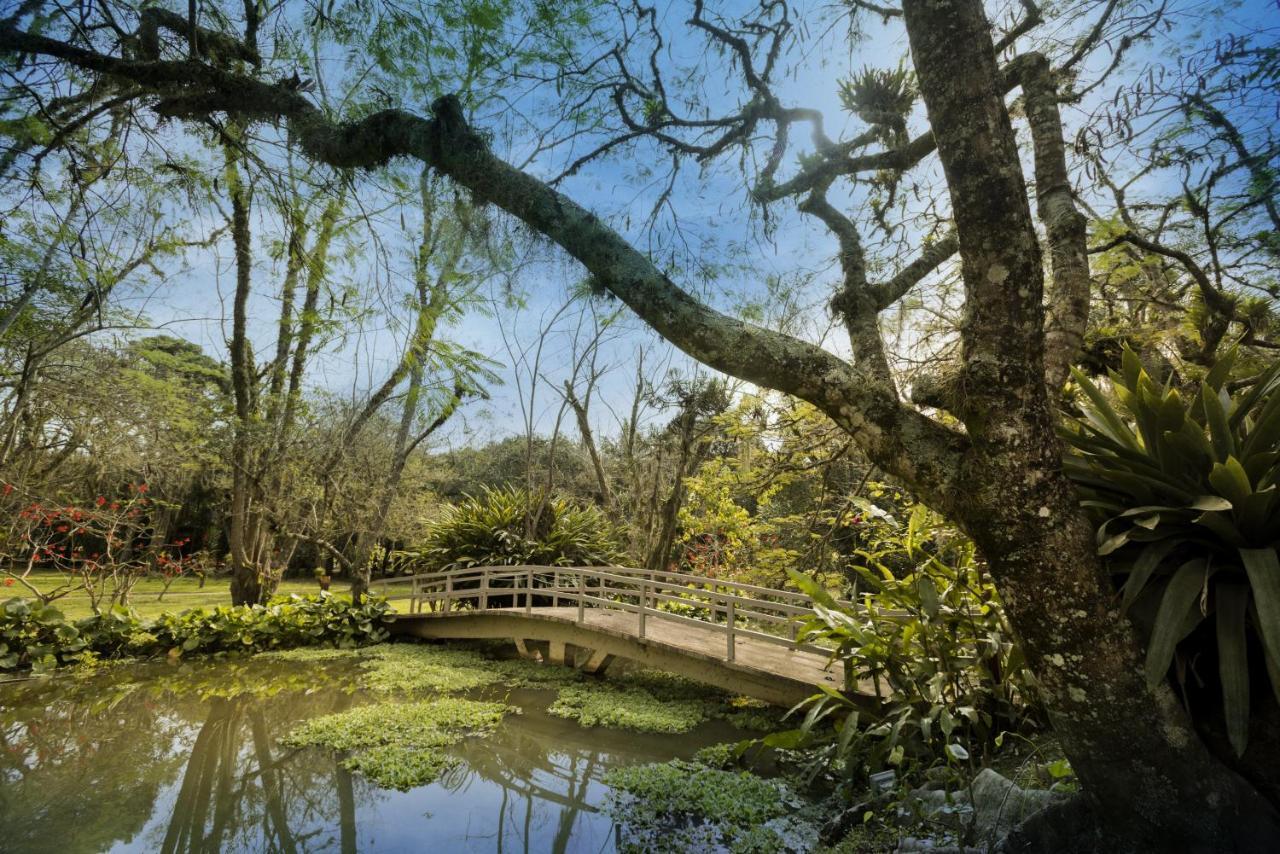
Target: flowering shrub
(37,635)
(103,547)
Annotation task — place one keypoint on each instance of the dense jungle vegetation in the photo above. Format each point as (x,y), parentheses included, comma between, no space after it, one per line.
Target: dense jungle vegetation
(960,317)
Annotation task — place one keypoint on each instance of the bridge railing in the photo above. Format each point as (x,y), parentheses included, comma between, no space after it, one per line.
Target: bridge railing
(735,609)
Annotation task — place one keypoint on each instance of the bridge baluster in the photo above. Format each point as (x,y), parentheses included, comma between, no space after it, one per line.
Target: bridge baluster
(644,601)
(733,650)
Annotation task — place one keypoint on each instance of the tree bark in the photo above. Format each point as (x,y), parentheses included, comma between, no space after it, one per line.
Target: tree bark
(1134,749)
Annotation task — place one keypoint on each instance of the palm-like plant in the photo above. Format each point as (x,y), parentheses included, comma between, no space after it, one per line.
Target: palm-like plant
(508,527)
(1186,494)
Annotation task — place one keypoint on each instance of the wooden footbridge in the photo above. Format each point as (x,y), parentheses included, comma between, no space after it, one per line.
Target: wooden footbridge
(740,637)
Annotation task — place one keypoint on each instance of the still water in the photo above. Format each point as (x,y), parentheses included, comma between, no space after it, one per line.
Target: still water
(187,758)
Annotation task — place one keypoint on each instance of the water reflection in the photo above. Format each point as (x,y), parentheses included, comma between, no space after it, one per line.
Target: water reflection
(188,758)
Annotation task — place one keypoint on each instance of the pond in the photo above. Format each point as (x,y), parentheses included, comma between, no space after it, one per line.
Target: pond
(207,756)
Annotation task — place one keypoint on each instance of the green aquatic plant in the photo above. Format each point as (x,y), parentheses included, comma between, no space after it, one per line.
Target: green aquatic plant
(312,654)
(626,708)
(684,806)
(400,745)
(425,668)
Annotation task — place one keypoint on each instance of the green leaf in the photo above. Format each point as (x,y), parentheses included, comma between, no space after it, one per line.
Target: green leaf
(1233,661)
(1175,608)
(1109,422)
(1150,558)
(1230,479)
(1210,503)
(928,596)
(1263,569)
(1261,387)
(1224,443)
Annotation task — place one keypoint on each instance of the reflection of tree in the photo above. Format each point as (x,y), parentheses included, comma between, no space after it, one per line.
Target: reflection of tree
(543,764)
(86,764)
(258,798)
(79,775)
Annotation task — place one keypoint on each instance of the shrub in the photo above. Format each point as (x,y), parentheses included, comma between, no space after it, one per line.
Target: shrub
(511,527)
(36,635)
(931,640)
(1184,493)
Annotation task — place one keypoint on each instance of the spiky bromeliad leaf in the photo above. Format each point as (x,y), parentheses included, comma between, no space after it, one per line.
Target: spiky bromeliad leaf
(1184,492)
(1233,661)
(1179,613)
(1263,569)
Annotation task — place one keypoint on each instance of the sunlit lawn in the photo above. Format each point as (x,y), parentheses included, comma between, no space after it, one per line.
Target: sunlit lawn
(145,598)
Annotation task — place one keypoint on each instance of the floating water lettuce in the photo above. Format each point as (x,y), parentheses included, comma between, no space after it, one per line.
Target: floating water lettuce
(400,745)
(685,806)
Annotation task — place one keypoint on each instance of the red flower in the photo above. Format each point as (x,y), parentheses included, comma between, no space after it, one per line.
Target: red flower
(100,501)
(8,582)
(142,487)
(8,487)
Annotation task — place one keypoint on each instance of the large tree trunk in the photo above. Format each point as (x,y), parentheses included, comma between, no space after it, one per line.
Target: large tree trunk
(1147,773)
(246,575)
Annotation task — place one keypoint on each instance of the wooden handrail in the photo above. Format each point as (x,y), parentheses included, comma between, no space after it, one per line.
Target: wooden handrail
(636,591)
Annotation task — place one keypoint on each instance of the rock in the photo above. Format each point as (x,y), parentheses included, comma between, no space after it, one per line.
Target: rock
(989,808)
(1068,826)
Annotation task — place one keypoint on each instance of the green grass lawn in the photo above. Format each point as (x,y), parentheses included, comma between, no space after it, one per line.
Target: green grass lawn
(183,594)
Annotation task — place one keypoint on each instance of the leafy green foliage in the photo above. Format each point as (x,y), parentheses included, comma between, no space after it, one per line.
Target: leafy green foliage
(510,527)
(284,622)
(39,636)
(1184,492)
(399,745)
(36,635)
(929,638)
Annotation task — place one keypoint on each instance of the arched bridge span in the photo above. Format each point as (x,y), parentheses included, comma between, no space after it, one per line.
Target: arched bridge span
(739,637)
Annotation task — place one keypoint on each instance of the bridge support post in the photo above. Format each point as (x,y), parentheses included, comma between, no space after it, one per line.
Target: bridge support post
(729,626)
(484,591)
(448,593)
(597,662)
(522,647)
(555,652)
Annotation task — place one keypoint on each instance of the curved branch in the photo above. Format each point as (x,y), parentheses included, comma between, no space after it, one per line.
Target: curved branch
(924,454)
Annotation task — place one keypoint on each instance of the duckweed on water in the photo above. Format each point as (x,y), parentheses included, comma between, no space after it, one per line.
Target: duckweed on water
(679,806)
(399,746)
(419,668)
(311,653)
(412,668)
(653,701)
(626,708)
